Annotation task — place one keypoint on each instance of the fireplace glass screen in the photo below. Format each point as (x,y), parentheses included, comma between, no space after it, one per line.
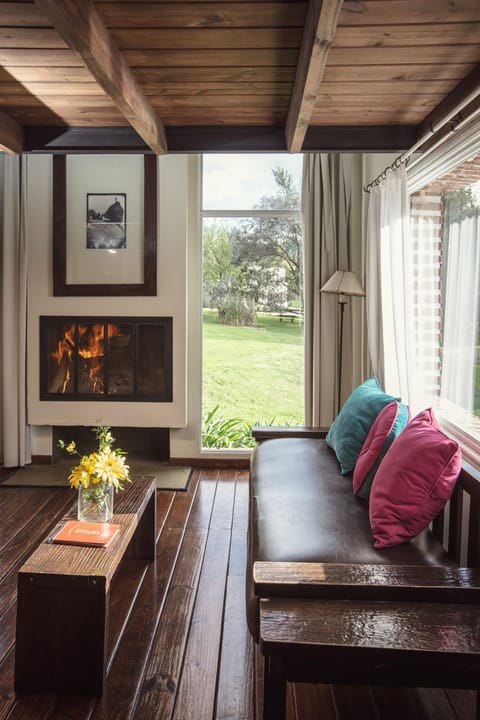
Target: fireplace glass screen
(106,359)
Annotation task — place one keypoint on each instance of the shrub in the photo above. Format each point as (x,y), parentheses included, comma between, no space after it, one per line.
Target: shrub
(219,432)
(235,310)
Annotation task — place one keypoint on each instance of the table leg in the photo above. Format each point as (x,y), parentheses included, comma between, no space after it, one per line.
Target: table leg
(274,690)
(143,543)
(62,627)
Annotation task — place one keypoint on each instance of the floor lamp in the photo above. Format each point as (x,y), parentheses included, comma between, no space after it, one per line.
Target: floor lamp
(343,284)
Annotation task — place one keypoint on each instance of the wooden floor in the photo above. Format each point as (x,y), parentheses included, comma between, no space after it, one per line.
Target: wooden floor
(185,652)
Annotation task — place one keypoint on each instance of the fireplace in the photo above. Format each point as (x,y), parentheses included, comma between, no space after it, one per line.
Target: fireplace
(95,358)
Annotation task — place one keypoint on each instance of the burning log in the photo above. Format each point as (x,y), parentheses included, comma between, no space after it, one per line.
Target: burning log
(62,377)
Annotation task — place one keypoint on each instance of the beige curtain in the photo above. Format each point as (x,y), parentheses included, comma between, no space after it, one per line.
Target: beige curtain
(15,432)
(330,234)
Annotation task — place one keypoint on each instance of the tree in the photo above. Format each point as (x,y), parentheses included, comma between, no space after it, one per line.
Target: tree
(256,262)
(268,249)
(220,276)
(459,204)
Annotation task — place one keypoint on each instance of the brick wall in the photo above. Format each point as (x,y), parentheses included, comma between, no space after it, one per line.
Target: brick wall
(426,230)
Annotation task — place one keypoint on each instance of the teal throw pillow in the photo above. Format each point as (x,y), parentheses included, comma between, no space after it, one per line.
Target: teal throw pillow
(350,428)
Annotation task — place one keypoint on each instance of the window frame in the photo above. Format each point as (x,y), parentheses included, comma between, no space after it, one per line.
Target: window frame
(468,441)
(229,214)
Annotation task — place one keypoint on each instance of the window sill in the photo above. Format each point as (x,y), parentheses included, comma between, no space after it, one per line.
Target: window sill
(469,443)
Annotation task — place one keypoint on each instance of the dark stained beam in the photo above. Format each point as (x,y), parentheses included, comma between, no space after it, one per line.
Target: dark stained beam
(373,138)
(82,28)
(221,139)
(318,35)
(11,135)
(63,139)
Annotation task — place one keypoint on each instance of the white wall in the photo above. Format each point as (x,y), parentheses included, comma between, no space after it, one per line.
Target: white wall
(170,301)
(186,442)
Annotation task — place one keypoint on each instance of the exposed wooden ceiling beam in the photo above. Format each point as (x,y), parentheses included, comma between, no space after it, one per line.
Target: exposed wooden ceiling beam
(318,35)
(11,135)
(82,28)
(225,138)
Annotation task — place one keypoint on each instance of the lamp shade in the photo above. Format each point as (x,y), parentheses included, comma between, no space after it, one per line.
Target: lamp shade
(343,282)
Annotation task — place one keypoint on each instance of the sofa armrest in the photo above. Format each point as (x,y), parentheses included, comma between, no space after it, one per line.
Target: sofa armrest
(367,582)
(267,432)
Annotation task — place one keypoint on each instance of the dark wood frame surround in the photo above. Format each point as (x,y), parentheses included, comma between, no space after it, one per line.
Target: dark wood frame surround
(60,285)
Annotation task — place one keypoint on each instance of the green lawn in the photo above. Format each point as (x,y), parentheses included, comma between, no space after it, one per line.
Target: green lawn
(254,373)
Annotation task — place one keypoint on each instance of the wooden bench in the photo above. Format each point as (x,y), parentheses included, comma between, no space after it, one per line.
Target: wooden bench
(65,598)
(374,625)
(404,625)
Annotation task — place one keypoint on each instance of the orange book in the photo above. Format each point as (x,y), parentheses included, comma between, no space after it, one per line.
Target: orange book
(92,534)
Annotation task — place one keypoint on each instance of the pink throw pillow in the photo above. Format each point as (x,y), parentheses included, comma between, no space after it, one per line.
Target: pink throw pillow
(414,481)
(389,424)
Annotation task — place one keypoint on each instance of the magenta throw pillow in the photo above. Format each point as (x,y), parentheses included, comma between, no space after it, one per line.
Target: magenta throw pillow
(413,482)
(388,425)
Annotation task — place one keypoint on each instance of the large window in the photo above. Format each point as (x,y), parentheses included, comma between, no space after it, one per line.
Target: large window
(252,295)
(445,220)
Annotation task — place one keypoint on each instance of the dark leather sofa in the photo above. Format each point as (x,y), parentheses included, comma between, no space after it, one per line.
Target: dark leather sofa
(303,510)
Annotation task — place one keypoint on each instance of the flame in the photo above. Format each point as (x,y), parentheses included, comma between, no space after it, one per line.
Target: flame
(91,347)
(91,350)
(90,341)
(64,354)
(65,345)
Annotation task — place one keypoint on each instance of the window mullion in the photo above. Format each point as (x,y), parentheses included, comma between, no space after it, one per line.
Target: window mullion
(249,213)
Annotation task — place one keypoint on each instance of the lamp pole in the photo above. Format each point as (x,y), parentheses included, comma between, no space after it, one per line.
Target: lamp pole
(342,301)
(343,283)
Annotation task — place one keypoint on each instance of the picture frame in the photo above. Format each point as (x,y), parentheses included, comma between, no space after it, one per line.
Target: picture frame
(130,268)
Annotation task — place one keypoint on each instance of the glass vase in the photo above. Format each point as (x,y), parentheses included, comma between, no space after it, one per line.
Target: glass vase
(95,503)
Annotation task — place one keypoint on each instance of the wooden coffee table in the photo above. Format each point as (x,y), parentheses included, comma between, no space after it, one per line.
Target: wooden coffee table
(65,599)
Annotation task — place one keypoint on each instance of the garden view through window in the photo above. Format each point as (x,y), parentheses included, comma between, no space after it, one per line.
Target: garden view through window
(253,355)
(446,220)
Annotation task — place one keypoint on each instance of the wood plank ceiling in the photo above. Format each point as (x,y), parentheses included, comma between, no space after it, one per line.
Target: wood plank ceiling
(369,74)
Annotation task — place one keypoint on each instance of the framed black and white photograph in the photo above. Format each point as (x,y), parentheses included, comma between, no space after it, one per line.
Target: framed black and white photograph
(106,221)
(104,241)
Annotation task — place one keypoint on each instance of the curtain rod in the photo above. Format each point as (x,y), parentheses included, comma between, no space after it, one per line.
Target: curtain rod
(453,118)
(441,140)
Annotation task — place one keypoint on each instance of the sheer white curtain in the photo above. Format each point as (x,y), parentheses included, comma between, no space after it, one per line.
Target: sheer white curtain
(15,433)
(328,232)
(461,300)
(390,286)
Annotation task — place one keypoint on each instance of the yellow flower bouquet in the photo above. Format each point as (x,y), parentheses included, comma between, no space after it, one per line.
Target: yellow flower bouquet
(97,475)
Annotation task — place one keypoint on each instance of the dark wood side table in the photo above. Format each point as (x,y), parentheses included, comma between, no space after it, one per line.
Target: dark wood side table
(64,599)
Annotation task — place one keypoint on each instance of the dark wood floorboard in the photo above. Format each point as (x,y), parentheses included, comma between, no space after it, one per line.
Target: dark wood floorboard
(182,651)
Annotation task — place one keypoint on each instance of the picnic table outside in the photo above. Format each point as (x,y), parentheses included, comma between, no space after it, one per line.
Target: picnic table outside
(290,314)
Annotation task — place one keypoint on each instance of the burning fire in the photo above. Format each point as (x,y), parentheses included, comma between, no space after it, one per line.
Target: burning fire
(90,348)
(64,355)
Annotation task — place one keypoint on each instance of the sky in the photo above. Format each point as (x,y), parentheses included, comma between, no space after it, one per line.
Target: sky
(237,182)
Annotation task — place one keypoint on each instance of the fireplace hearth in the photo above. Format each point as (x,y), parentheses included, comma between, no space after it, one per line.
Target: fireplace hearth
(95,358)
